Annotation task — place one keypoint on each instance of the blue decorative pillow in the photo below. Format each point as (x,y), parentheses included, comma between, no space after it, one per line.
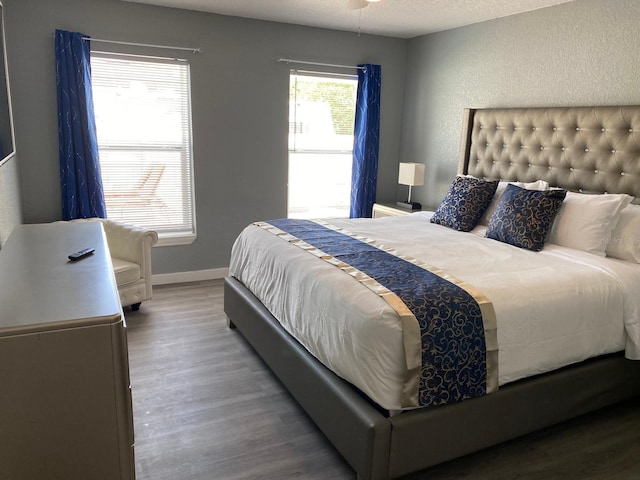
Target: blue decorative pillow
(465,202)
(524,217)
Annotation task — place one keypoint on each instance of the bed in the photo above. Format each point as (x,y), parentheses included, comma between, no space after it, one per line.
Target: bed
(590,150)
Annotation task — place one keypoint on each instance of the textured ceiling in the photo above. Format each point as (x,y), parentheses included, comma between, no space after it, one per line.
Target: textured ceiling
(395,18)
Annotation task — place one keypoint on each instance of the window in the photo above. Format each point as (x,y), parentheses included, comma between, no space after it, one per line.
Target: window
(321,120)
(143,123)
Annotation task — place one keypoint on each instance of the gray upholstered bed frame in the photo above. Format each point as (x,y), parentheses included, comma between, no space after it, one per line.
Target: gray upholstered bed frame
(583,149)
(594,149)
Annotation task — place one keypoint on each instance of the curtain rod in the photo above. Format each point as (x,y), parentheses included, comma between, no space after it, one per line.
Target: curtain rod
(289,60)
(188,49)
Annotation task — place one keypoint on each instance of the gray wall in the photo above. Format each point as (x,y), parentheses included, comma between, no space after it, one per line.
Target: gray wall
(580,53)
(240,106)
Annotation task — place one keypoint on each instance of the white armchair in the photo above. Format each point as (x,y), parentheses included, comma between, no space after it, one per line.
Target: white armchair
(130,248)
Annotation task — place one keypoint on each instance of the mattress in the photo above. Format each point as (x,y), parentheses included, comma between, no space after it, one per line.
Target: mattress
(553,308)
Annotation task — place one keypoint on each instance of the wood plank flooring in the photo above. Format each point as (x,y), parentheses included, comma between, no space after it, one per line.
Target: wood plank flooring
(207,408)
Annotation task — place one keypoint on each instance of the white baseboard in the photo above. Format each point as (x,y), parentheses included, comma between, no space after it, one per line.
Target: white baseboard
(183,277)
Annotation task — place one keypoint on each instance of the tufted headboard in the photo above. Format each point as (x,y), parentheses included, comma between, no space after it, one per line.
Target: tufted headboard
(585,149)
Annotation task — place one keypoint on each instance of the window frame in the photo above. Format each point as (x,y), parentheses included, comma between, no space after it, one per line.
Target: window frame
(295,128)
(166,237)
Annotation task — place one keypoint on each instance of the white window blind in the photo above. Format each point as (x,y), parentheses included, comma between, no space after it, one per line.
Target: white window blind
(143,122)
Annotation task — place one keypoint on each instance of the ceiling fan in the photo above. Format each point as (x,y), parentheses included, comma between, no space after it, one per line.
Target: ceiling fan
(358,4)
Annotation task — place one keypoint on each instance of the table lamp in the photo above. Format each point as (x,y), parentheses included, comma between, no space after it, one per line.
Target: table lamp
(411,174)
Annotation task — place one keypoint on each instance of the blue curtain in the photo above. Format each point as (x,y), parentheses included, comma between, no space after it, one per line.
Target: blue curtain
(364,176)
(80,179)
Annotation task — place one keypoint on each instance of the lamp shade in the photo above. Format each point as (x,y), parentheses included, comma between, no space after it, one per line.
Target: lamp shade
(411,174)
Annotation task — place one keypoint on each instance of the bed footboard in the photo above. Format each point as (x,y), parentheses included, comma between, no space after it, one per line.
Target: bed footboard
(358,430)
(426,437)
(379,447)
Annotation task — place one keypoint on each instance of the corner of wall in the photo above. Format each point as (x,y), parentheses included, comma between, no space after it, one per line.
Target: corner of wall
(10,201)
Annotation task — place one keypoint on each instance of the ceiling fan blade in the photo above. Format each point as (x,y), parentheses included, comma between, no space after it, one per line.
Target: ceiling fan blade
(357,4)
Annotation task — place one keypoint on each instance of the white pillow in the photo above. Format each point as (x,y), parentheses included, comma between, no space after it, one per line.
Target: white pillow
(625,237)
(537,185)
(585,222)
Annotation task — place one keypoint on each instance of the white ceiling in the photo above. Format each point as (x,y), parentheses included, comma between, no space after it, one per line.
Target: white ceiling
(394,18)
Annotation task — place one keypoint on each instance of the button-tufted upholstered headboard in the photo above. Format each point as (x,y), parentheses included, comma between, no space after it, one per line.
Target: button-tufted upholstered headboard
(586,149)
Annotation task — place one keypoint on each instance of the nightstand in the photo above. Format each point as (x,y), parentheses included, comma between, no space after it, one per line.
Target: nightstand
(389,210)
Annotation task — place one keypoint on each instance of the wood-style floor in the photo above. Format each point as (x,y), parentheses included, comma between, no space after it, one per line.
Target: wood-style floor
(207,408)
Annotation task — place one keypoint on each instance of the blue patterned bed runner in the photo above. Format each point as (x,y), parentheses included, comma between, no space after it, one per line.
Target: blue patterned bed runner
(454,360)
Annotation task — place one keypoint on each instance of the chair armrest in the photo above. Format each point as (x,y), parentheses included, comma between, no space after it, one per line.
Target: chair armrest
(129,242)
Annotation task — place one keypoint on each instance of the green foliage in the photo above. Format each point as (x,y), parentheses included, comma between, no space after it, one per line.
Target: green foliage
(340,95)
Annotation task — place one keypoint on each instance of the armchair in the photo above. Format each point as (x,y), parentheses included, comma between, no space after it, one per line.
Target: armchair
(130,248)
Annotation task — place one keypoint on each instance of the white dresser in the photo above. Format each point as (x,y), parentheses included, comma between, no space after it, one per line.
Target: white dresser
(65,398)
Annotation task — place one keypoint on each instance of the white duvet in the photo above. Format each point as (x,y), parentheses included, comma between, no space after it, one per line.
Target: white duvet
(553,308)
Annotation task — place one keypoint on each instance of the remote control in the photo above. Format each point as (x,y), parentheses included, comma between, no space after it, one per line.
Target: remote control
(81,254)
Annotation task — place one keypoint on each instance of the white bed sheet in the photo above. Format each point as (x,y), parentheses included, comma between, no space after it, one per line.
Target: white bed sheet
(553,308)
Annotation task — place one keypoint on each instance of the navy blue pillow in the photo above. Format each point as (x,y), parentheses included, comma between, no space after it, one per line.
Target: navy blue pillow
(523,217)
(465,202)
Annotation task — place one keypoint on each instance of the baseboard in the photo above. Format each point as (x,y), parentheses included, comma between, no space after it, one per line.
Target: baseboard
(183,277)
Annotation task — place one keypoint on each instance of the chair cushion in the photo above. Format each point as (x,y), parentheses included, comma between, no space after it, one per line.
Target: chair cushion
(126,272)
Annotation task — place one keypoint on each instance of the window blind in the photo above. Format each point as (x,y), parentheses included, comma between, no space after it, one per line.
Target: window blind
(143,123)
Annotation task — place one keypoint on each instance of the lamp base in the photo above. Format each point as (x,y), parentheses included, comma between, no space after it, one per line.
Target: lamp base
(410,205)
